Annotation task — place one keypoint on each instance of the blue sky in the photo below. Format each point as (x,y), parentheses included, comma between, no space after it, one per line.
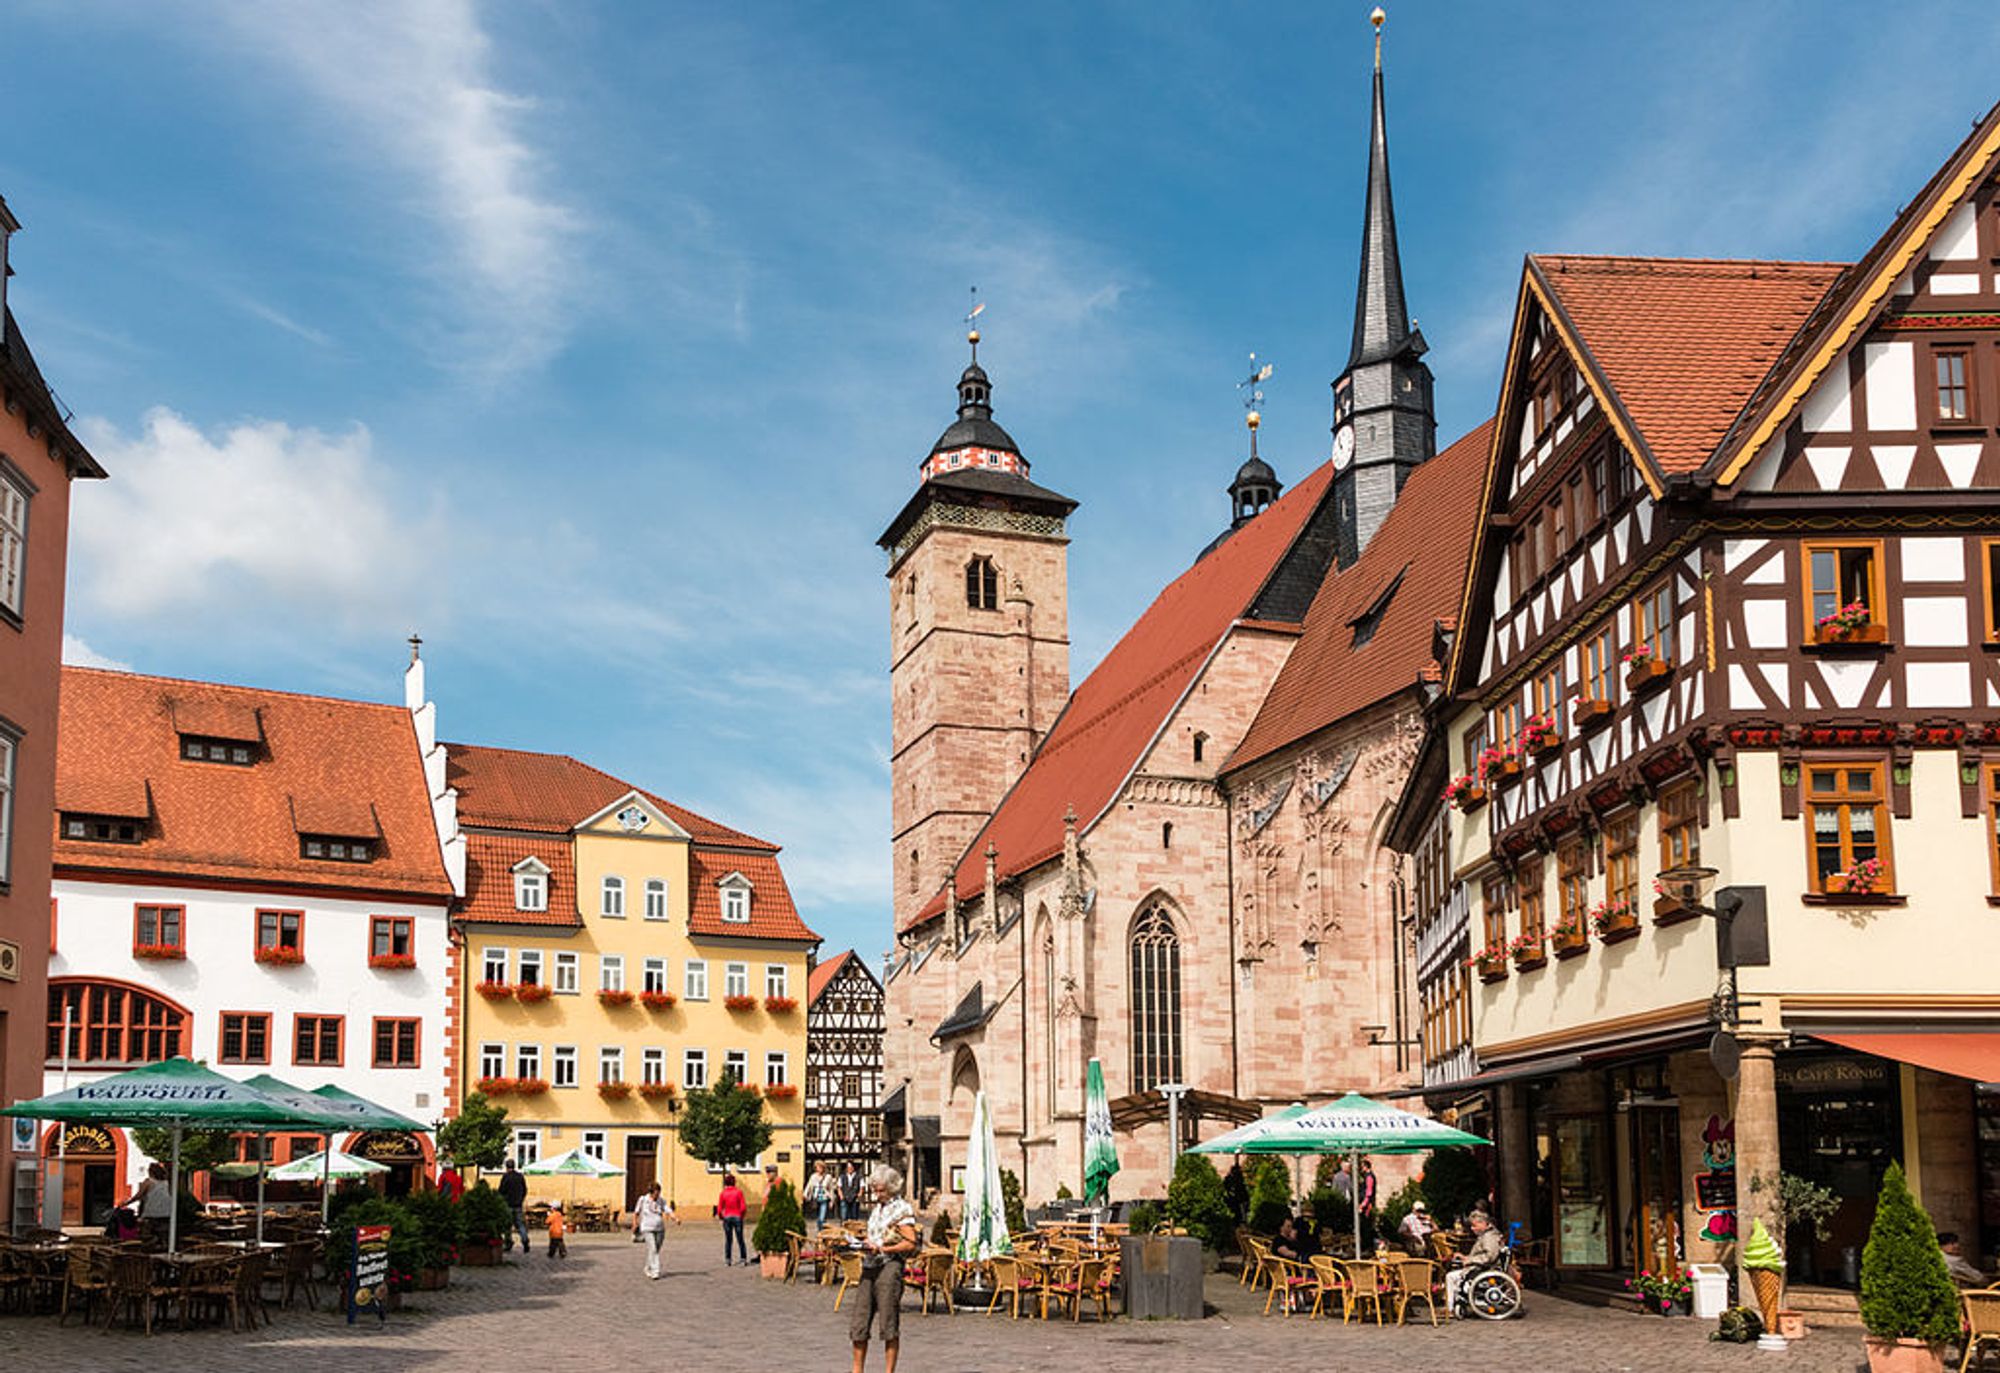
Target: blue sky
(598,342)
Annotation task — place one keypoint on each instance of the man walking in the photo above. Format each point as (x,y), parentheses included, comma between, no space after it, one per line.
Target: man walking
(649,1223)
(850,1192)
(514,1191)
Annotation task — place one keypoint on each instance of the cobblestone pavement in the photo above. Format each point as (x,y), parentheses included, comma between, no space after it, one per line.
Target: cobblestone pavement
(597,1312)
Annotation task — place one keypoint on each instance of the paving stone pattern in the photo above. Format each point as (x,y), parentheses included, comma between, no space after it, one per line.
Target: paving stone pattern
(596,1311)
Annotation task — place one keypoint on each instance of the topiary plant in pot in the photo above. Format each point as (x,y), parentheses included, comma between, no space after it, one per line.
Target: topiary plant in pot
(781,1217)
(1908,1303)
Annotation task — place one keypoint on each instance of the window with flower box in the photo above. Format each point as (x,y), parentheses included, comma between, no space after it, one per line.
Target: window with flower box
(492,1060)
(1528,897)
(1680,835)
(280,935)
(246,1037)
(493,965)
(1621,864)
(530,968)
(735,979)
(527,1060)
(777,1068)
(1844,602)
(159,928)
(391,937)
(1848,818)
(1552,701)
(652,1067)
(316,1040)
(1653,622)
(1596,660)
(611,973)
(736,1063)
(1492,953)
(653,976)
(694,1069)
(397,1041)
(611,1064)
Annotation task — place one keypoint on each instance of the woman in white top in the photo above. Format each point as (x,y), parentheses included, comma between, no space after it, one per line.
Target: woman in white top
(649,1223)
(892,1237)
(153,1202)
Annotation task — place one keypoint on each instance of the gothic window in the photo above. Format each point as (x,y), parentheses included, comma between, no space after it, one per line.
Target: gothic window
(1200,742)
(1049,1003)
(1156,1001)
(982,585)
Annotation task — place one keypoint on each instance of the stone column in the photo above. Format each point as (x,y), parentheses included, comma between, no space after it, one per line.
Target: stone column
(1756,1151)
(1517,1157)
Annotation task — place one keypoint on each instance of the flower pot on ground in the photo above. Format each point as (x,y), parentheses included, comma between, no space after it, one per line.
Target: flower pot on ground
(1792,1324)
(1908,1302)
(780,1220)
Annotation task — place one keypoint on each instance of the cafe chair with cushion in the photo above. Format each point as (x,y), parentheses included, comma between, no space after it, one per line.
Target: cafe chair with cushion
(1417,1280)
(1329,1285)
(1075,1285)
(1982,1322)
(1013,1279)
(136,1290)
(850,1274)
(1366,1285)
(1290,1282)
(930,1275)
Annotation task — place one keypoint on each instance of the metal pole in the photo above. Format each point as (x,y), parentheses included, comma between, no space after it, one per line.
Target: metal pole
(262,1154)
(174,1197)
(325,1176)
(1354,1187)
(62,1139)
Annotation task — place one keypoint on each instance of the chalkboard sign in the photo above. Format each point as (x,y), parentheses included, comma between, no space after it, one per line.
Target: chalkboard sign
(369,1289)
(1715,1191)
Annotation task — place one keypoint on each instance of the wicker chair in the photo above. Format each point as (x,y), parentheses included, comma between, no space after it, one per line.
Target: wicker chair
(1416,1280)
(930,1274)
(87,1278)
(15,1280)
(1257,1263)
(1078,1284)
(1013,1280)
(135,1290)
(1366,1283)
(1328,1281)
(850,1274)
(1982,1322)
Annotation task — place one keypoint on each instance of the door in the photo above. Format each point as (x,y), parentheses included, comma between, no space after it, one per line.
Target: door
(642,1167)
(1656,1190)
(1582,1193)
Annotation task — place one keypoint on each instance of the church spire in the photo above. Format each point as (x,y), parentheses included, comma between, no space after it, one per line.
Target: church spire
(1381,319)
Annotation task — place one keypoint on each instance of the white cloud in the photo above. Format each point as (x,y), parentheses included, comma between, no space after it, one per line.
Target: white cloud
(411,81)
(77,653)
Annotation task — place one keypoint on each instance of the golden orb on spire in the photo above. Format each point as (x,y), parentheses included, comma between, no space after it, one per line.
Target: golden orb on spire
(1378,16)
(972,336)
(1253,419)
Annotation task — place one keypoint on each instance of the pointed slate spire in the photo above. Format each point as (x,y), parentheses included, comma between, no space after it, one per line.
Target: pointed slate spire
(1381,319)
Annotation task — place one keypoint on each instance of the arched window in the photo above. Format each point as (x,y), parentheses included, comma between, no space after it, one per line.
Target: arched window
(1156,1001)
(113,1026)
(656,898)
(1200,743)
(614,898)
(916,868)
(982,585)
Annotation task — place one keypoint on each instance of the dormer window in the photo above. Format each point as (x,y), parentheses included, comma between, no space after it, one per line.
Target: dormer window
(531,885)
(103,829)
(736,899)
(197,748)
(331,850)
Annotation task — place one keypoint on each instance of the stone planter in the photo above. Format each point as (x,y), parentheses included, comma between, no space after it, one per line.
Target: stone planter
(1902,1356)
(1792,1325)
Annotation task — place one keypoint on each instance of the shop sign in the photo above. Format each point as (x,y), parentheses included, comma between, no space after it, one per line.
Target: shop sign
(88,1139)
(1832,1074)
(389,1146)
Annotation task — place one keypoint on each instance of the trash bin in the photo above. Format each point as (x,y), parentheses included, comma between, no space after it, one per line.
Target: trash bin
(1162,1277)
(1711,1289)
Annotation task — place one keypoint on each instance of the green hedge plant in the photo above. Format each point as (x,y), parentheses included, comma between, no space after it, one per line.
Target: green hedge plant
(1197,1202)
(781,1217)
(1906,1293)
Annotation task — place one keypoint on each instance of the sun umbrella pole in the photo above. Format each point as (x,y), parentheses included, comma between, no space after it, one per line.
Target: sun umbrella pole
(174,1198)
(262,1153)
(1354,1186)
(325,1177)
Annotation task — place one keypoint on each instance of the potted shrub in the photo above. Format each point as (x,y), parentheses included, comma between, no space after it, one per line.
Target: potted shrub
(780,1005)
(740,1003)
(1908,1303)
(781,1218)
(444,1229)
(1198,1203)
(529,993)
(495,991)
(484,1219)
(657,1001)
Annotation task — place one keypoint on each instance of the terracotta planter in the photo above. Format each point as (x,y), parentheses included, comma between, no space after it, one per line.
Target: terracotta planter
(1902,1356)
(771,1265)
(1792,1325)
(475,1255)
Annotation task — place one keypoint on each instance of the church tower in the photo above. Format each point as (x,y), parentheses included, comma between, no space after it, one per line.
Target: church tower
(1383,424)
(978,638)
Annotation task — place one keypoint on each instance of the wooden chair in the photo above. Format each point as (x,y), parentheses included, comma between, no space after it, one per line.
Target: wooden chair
(86,1278)
(135,1290)
(1416,1280)
(1290,1280)
(1076,1284)
(1982,1321)
(1014,1277)
(1366,1283)
(1328,1281)
(850,1274)
(930,1275)
(15,1280)
(247,1299)
(1532,1258)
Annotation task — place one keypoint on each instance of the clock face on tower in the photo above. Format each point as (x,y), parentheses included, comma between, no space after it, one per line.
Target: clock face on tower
(1343,447)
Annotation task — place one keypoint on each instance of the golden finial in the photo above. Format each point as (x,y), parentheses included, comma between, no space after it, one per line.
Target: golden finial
(1376,19)
(1253,419)
(971,320)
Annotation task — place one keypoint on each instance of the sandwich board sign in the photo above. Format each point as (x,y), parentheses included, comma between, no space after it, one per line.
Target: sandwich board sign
(368,1290)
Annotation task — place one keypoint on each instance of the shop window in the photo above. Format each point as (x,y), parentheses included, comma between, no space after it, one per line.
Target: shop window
(1843,590)
(1849,828)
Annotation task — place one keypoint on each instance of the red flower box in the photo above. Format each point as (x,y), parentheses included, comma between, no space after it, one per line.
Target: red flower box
(740,1003)
(608,997)
(657,1001)
(495,1086)
(780,1005)
(495,991)
(531,992)
(531,1086)
(282,954)
(614,1091)
(392,962)
(781,1091)
(654,1091)
(162,952)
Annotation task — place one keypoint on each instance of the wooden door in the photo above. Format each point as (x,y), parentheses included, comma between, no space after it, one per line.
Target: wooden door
(642,1167)
(1656,1190)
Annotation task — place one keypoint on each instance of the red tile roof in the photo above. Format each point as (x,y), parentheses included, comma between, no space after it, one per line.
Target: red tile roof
(1120,706)
(772,914)
(823,975)
(118,737)
(1683,342)
(1421,550)
(489,880)
(504,788)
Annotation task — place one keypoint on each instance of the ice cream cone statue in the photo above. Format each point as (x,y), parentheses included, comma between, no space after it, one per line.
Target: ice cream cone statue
(1765,1263)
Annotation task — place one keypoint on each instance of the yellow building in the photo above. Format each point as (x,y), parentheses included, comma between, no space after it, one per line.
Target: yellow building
(618,951)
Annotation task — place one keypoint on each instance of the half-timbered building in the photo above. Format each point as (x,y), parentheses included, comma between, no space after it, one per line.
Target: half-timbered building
(843,1062)
(1732,619)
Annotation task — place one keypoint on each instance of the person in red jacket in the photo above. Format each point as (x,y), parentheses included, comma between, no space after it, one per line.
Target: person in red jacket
(731,1205)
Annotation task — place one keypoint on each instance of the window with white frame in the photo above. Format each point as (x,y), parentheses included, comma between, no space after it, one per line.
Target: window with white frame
(567,978)
(531,887)
(610,1064)
(493,966)
(736,979)
(653,975)
(777,980)
(736,901)
(10,743)
(13,540)
(493,1060)
(527,1060)
(564,1065)
(527,1146)
(777,1068)
(611,973)
(656,898)
(736,1062)
(694,1068)
(653,1066)
(695,979)
(612,906)
(596,1144)
(530,968)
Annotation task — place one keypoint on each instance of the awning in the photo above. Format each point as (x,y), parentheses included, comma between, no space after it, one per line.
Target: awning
(1959,1053)
(1465,1086)
(1150,1107)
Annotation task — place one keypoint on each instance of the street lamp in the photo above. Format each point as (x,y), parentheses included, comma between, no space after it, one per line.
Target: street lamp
(1173,1092)
(1690,884)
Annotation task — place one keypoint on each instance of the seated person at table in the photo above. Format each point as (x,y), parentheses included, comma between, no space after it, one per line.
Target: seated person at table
(1955,1263)
(1296,1241)
(1417,1229)
(1484,1252)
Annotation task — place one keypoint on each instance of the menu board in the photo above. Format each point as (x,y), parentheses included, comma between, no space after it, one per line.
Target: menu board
(368,1290)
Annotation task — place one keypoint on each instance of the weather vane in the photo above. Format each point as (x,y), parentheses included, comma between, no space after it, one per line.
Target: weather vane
(1253,397)
(972,323)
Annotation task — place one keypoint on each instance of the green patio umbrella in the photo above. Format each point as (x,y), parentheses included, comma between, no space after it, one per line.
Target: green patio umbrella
(358,1113)
(176,1094)
(982,1232)
(1234,1141)
(573,1165)
(1100,1155)
(328,1114)
(327,1163)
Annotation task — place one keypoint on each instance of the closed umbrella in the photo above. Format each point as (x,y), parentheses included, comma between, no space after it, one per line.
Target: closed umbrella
(1100,1155)
(176,1094)
(982,1232)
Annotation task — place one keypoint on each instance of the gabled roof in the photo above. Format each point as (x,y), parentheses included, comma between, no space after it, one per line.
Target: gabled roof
(504,788)
(1120,707)
(1856,300)
(824,975)
(490,860)
(1673,347)
(772,914)
(322,758)
(1424,542)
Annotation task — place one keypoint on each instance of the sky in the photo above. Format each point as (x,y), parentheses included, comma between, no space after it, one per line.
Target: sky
(597,342)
